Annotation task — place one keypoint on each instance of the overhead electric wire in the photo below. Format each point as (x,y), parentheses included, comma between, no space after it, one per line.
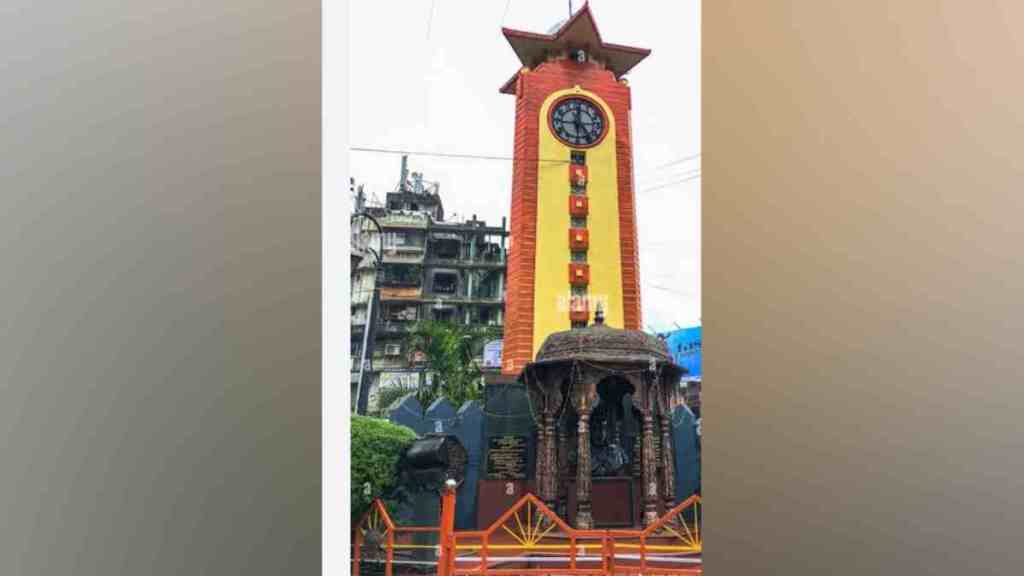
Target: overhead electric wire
(650,275)
(492,157)
(667,289)
(695,176)
(690,175)
(447,155)
(664,178)
(678,161)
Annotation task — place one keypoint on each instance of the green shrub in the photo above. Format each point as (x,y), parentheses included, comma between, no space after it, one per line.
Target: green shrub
(377,446)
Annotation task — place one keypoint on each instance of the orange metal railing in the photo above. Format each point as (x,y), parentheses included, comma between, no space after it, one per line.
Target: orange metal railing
(529,538)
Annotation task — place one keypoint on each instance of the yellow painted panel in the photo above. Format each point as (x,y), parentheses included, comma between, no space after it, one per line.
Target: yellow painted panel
(551,290)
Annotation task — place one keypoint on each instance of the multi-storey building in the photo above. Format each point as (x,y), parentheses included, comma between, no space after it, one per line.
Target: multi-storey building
(432,269)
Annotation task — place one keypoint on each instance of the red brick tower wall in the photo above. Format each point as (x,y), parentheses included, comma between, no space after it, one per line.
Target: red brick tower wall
(517,347)
(628,236)
(532,88)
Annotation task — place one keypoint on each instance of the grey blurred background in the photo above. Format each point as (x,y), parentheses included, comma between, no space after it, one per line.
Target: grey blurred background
(863,334)
(160,352)
(160,296)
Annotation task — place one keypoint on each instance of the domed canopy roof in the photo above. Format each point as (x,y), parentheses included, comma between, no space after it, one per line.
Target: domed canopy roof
(599,343)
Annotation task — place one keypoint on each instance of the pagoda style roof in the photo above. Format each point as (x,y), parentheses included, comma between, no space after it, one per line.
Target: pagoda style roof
(602,344)
(577,33)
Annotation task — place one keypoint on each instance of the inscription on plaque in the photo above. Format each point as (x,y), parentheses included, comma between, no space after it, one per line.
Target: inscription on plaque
(506,457)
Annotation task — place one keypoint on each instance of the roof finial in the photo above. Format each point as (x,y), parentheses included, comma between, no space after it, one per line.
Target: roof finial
(599,315)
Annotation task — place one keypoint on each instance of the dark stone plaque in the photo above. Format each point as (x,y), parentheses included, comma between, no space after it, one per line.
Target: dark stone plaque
(506,457)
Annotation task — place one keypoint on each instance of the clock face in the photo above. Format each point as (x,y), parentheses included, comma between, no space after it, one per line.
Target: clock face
(577,122)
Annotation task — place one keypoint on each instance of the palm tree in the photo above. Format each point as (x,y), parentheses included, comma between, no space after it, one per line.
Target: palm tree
(449,352)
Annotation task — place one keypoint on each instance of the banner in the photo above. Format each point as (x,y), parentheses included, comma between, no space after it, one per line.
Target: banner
(685,347)
(492,354)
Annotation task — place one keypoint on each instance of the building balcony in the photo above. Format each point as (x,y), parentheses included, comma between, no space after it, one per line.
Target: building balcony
(404,219)
(383,362)
(355,365)
(403,255)
(401,283)
(361,297)
(412,294)
(394,326)
(495,262)
(462,298)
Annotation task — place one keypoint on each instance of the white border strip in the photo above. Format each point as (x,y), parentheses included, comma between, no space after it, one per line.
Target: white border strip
(335,423)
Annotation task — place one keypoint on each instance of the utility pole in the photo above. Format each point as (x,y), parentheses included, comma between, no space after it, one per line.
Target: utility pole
(362,357)
(361,218)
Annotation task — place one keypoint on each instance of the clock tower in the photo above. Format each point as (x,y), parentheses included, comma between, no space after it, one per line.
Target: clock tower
(573,217)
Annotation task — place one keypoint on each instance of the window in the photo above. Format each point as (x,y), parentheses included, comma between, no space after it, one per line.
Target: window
(445,283)
(578,222)
(400,313)
(447,248)
(401,275)
(578,157)
(392,349)
(491,252)
(578,256)
(579,190)
(392,239)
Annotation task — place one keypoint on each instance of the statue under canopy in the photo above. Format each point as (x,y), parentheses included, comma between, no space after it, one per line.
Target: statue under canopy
(598,395)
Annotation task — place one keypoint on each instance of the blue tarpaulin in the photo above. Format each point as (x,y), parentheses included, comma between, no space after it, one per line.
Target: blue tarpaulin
(685,345)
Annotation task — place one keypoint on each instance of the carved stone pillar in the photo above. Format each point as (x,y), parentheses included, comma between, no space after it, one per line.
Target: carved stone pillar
(543,466)
(562,484)
(549,488)
(666,405)
(650,470)
(668,468)
(538,404)
(584,517)
(585,395)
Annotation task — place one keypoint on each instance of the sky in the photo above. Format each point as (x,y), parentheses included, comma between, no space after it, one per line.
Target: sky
(424,77)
